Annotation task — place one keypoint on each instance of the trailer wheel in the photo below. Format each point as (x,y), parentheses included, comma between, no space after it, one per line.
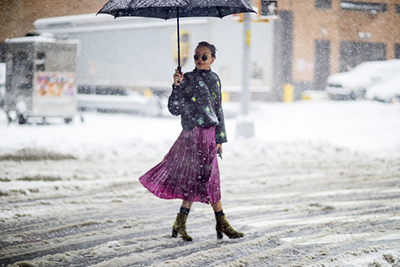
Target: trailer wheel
(22,119)
(67,120)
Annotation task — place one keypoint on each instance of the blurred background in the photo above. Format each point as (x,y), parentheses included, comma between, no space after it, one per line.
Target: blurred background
(299,52)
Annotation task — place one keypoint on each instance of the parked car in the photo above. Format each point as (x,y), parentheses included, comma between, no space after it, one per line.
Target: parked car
(105,99)
(354,84)
(387,91)
(2,83)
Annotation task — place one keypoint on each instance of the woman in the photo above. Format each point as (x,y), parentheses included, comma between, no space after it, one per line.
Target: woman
(190,169)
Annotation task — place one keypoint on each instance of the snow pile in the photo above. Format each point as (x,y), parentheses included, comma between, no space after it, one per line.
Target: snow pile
(358,126)
(386,90)
(316,186)
(287,131)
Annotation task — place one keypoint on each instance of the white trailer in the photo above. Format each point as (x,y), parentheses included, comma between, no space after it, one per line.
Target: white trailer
(40,78)
(140,53)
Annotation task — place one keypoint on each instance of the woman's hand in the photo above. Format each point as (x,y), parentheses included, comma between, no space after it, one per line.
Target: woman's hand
(178,77)
(219,146)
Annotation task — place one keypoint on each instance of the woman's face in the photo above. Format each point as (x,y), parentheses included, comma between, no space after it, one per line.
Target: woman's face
(203,58)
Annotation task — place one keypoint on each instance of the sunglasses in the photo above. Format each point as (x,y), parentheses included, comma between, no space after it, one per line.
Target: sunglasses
(204,57)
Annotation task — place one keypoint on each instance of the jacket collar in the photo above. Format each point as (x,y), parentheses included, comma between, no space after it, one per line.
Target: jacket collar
(196,70)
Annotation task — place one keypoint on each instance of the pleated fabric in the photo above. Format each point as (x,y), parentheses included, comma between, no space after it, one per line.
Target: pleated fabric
(190,169)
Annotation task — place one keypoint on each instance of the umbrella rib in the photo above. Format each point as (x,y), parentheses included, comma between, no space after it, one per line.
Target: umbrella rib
(219,13)
(116,14)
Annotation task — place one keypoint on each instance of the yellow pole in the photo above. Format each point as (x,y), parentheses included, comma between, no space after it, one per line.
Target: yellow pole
(288,92)
(225,96)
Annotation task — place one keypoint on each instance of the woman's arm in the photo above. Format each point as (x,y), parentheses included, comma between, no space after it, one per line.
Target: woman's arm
(220,133)
(178,78)
(219,146)
(175,99)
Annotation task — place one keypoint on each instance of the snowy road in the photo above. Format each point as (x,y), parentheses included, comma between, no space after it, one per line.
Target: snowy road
(317,186)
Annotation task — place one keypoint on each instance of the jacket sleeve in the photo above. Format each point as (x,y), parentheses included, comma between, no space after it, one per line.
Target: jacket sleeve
(220,132)
(174,101)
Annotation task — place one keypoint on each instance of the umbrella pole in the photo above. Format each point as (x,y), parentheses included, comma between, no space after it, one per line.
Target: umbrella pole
(179,42)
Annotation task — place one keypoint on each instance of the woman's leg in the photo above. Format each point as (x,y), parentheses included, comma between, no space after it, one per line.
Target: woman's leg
(217,206)
(187,204)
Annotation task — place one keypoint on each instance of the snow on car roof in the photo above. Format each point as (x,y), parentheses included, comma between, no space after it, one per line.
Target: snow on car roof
(367,73)
(385,90)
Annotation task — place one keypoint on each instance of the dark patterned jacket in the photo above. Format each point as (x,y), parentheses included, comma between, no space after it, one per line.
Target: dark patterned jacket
(198,101)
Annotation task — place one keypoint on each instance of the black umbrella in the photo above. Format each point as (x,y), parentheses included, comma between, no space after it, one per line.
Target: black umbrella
(168,9)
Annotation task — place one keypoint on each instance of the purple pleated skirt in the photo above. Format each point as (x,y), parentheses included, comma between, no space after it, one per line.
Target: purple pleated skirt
(190,169)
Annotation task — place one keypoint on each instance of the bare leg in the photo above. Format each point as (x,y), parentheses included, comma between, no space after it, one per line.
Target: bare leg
(187,204)
(217,206)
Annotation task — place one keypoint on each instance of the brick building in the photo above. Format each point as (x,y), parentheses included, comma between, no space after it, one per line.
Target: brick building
(315,38)
(17,16)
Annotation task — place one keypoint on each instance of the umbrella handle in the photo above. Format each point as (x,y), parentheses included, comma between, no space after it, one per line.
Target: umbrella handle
(179,41)
(180,72)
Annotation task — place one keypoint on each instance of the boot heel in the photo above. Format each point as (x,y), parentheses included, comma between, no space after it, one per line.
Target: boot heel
(174,233)
(179,227)
(223,226)
(219,235)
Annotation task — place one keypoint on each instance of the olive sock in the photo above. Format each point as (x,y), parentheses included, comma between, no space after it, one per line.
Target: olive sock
(184,211)
(219,213)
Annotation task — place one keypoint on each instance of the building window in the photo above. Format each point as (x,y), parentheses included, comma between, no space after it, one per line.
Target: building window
(354,53)
(397,51)
(398,9)
(363,6)
(268,9)
(325,4)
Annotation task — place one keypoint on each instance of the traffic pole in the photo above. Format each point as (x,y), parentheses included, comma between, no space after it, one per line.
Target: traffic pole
(244,126)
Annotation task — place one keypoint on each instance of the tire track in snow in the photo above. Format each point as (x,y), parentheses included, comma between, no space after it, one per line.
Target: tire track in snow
(319,211)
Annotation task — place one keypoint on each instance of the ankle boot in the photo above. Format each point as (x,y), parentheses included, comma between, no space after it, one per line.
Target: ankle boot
(223,226)
(180,227)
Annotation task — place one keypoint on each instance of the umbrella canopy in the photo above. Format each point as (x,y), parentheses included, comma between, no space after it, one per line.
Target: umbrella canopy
(168,9)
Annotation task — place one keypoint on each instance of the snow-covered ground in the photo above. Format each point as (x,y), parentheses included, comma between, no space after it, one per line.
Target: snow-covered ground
(318,185)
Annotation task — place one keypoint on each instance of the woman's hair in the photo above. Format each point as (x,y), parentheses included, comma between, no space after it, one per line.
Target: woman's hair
(210,46)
